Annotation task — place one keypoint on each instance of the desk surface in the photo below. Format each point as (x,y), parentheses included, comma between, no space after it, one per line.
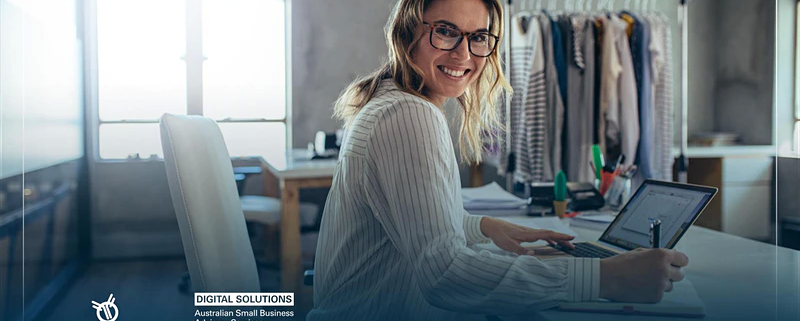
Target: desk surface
(737,279)
(297,163)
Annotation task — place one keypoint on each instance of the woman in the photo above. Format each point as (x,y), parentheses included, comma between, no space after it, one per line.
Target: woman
(394,242)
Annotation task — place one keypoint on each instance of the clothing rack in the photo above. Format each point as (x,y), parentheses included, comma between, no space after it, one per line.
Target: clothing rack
(682,161)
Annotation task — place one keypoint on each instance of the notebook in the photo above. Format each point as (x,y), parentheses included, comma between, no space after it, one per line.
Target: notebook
(682,301)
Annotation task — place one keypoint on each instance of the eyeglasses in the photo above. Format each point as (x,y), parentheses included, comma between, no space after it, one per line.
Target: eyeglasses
(447,38)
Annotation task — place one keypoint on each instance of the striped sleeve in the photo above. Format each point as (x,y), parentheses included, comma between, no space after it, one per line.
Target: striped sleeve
(412,186)
(472,229)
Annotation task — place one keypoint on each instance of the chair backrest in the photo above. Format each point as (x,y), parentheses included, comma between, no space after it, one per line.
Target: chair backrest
(215,241)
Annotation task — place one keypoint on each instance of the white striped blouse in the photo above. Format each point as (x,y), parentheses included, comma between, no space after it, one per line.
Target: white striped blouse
(395,241)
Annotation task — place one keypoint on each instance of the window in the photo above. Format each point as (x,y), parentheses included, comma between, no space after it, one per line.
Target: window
(225,60)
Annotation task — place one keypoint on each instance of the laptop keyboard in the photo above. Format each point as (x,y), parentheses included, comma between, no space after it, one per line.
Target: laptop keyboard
(587,250)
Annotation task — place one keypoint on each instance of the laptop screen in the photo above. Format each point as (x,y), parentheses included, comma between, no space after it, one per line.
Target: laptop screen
(676,205)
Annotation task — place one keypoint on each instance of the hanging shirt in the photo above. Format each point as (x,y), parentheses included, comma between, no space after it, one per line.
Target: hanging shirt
(521,58)
(640,55)
(599,117)
(535,106)
(555,104)
(661,51)
(619,97)
(394,239)
(579,110)
(565,28)
(560,57)
(609,78)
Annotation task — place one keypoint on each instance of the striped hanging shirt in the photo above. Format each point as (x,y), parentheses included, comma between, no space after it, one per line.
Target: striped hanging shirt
(395,242)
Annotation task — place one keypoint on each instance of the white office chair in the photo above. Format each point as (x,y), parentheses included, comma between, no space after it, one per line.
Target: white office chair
(210,214)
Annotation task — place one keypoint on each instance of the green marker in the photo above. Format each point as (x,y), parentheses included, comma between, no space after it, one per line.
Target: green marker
(598,161)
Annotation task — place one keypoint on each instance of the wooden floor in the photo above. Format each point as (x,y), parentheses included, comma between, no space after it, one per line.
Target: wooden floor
(145,290)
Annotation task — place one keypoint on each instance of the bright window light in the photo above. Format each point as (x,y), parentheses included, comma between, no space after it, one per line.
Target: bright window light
(142,74)
(139,47)
(245,74)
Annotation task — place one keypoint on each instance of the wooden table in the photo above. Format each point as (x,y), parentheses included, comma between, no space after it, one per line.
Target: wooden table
(292,171)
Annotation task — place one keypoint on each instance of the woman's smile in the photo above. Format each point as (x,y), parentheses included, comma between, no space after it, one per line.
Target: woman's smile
(454,73)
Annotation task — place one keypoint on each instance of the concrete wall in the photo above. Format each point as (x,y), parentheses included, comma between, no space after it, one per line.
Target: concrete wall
(731,68)
(701,67)
(745,56)
(333,43)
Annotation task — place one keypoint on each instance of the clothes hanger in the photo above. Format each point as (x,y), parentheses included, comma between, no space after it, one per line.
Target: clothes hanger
(599,6)
(524,15)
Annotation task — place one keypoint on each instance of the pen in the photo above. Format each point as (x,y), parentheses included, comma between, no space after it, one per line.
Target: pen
(619,161)
(632,171)
(655,233)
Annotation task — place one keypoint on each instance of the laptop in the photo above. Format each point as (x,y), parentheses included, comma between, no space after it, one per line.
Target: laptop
(676,205)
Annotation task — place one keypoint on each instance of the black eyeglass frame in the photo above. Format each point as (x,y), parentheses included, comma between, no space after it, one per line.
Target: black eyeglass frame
(460,39)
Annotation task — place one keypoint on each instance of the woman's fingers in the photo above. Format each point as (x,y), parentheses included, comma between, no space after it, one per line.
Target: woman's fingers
(675,274)
(679,259)
(535,235)
(668,286)
(511,245)
(567,244)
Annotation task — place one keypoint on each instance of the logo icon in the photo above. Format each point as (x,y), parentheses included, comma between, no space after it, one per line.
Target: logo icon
(106,308)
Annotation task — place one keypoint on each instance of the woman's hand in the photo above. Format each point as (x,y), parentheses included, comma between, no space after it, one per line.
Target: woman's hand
(641,275)
(508,236)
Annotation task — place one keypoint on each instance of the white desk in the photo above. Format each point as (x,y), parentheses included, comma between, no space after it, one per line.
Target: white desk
(292,171)
(297,163)
(737,279)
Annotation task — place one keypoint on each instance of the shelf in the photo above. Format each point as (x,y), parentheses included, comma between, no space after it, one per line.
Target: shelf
(721,151)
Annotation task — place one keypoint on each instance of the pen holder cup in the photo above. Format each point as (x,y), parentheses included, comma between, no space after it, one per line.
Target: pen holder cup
(607,178)
(618,193)
(560,208)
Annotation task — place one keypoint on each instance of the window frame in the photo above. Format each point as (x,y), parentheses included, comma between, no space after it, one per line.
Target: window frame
(193,58)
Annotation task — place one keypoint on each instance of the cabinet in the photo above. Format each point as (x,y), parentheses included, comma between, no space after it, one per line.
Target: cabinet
(744,205)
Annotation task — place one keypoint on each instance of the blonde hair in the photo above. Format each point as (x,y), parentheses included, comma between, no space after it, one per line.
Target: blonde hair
(479,103)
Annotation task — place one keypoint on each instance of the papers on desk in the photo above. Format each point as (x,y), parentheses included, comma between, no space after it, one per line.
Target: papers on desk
(492,198)
(682,301)
(598,221)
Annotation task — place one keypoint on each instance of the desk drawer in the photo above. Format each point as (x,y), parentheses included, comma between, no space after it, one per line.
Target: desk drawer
(747,169)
